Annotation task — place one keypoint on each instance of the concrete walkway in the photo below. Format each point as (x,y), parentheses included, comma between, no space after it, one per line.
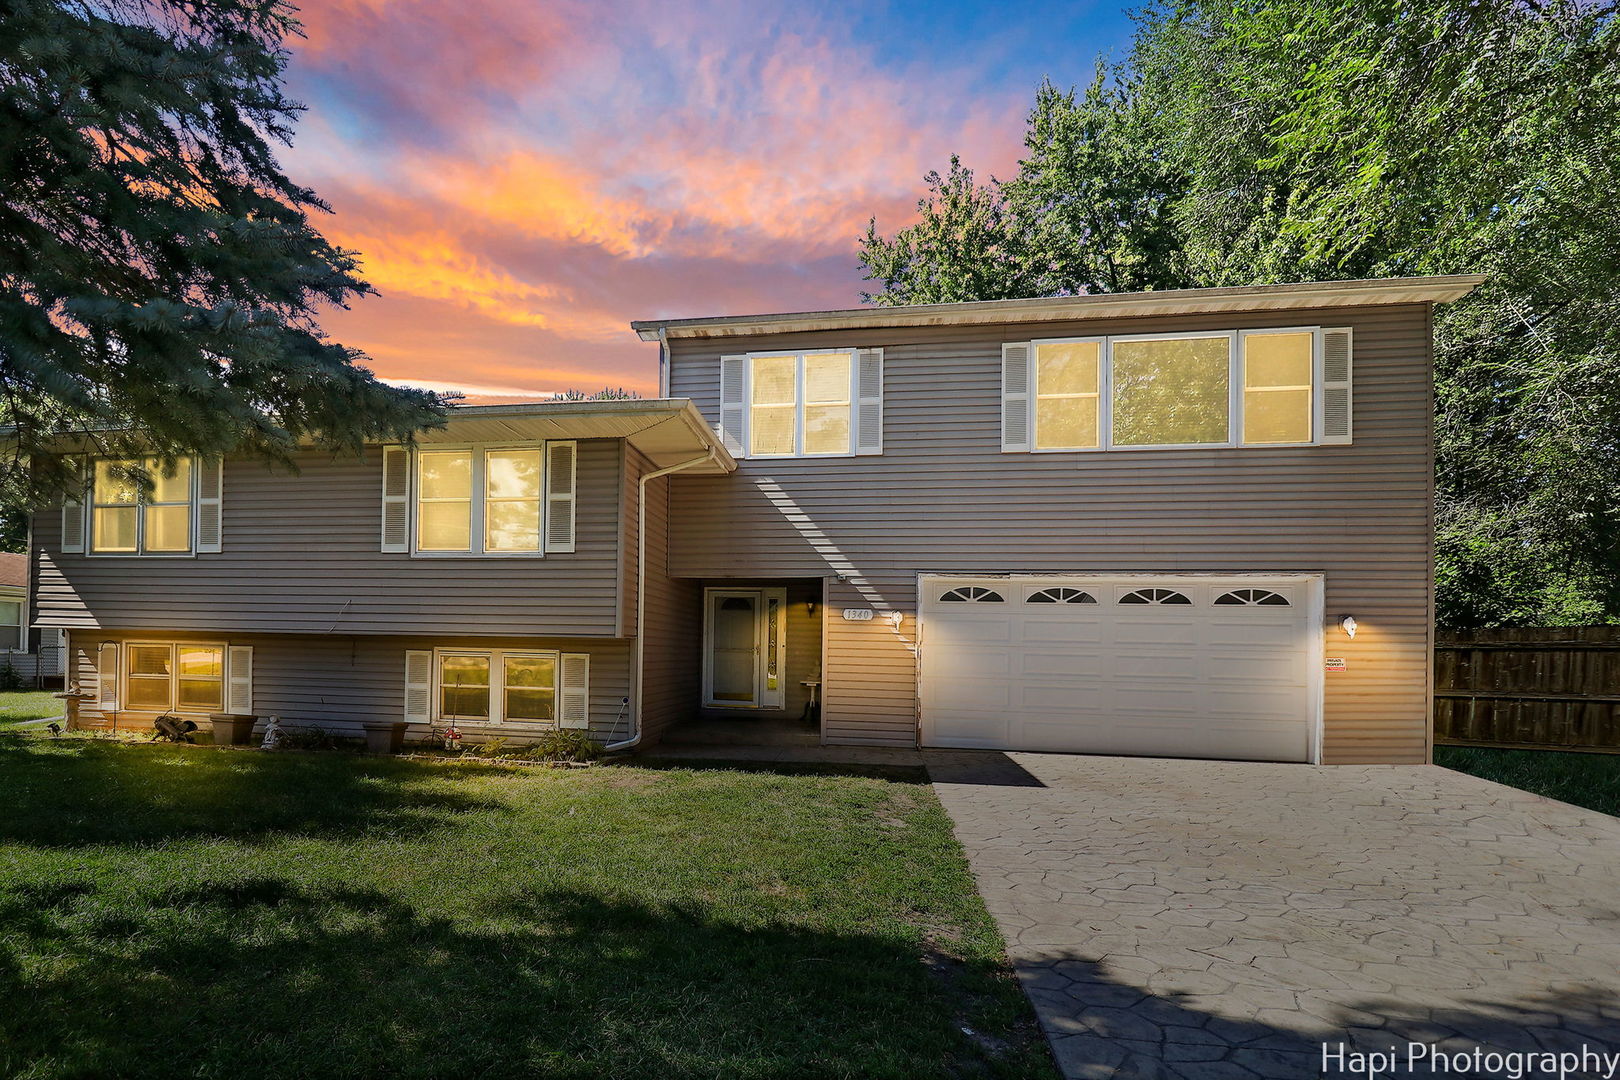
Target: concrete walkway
(1211,920)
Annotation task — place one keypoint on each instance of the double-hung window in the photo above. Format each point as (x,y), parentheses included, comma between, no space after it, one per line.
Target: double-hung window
(127,518)
(1269,387)
(13,634)
(479,500)
(800,405)
(812,403)
(496,686)
(174,677)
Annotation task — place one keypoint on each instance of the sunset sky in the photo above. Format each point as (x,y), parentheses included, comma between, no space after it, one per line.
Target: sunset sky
(524,177)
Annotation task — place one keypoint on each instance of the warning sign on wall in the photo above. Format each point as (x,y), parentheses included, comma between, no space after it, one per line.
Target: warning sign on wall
(1334,663)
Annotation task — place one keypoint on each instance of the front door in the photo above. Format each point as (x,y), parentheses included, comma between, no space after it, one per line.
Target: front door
(743,648)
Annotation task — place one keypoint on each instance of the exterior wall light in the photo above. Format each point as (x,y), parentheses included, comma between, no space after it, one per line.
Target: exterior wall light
(896,618)
(1348,624)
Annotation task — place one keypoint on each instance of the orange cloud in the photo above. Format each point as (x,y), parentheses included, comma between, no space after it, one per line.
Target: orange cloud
(524,179)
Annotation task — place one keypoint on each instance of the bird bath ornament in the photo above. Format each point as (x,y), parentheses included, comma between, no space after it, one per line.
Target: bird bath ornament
(272,734)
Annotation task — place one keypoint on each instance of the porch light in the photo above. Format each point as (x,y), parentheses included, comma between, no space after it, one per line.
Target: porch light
(896,618)
(810,608)
(1348,624)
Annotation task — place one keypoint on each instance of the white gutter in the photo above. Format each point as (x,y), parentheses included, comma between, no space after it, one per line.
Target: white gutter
(641,593)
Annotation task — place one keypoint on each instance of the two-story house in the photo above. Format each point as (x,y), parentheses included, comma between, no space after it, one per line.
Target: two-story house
(1193,523)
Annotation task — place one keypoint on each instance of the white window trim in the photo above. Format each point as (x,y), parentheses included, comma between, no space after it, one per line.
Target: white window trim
(22,624)
(89,509)
(798,408)
(1105,414)
(497,689)
(1315,387)
(1233,402)
(476,535)
(1235,370)
(174,676)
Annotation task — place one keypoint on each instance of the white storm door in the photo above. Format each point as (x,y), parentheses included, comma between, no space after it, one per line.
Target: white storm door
(732,652)
(744,648)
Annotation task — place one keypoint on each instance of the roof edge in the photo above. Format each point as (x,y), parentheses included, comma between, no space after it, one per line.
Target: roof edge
(1432,289)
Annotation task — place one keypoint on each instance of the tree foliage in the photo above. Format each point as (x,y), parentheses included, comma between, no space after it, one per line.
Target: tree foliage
(160,277)
(1255,141)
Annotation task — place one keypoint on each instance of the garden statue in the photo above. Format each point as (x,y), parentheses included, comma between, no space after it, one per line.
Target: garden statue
(272,734)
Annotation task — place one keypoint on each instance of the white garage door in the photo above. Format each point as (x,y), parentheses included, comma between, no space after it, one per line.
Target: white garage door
(1175,666)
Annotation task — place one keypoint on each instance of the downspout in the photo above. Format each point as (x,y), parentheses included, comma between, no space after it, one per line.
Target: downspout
(641,594)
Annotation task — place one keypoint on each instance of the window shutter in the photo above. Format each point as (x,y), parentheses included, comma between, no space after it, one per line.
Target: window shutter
(73,511)
(396,494)
(560,482)
(869,401)
(239,688)
(107,676)
(574,691)
(210,496)
(733,402)
(418,686)
(1335,386)
(1015,396)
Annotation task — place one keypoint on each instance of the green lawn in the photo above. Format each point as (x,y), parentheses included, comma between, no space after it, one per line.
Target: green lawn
(1589,780)
(17,706)
(170,911)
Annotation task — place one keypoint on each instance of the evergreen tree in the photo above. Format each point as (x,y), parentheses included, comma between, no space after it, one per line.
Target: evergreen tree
(160,277)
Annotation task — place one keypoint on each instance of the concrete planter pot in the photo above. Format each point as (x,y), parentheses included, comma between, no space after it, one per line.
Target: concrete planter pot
(232,729)
(385,737)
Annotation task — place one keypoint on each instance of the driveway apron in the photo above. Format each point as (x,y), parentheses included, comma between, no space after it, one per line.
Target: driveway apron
(1195,919)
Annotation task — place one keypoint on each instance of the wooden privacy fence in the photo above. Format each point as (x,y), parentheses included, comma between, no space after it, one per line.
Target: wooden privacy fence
(1547,688)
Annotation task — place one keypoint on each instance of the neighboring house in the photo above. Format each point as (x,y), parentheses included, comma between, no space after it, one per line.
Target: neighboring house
(35,656)
(1111,524)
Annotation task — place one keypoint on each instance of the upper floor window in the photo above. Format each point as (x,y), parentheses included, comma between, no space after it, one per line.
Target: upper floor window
(800,405)
(141,506)
(816,403)
(479,500)
(129,518)
(1284,387)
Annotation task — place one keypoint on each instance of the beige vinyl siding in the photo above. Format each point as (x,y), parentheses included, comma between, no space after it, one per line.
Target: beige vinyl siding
(342,681)
(942,497)
(301,555)
(672,662)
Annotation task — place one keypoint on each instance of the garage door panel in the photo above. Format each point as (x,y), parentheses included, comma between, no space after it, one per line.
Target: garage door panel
(1135,630)
(1257,703)
(1046,630)
(1179,680)
(1046,663)
(1228,667)
(1168,665)
(1070,700)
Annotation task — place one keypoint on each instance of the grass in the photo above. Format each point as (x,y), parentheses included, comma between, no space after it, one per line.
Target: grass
(18,706)
(1589,780)
(178,911)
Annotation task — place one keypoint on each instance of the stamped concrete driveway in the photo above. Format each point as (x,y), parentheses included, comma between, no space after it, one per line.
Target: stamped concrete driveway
(1215,919)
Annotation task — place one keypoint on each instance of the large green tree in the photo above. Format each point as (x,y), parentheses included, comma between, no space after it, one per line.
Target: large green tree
(160,277)
(1287,140)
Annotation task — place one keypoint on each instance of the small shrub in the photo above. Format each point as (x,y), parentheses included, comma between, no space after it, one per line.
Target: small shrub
(309,738)
(11,678)
(489,747)
(560,746)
